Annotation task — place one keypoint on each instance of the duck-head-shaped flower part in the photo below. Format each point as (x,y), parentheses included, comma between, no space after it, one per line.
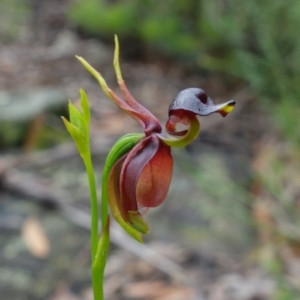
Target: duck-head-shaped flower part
(138,169)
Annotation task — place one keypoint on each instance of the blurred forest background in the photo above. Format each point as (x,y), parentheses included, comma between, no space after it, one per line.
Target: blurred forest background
(229,228)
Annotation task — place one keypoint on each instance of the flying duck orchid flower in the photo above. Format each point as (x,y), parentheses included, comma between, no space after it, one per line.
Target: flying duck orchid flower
(138,169)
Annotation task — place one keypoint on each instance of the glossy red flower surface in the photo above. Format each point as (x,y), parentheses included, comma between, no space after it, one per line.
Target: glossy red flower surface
(141,177)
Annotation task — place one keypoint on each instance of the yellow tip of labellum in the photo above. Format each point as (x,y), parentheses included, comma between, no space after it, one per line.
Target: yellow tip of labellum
(226,108)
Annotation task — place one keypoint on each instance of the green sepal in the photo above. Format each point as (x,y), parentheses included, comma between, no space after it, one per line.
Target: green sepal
(138,222)
(85,108)
(121,147)
(97,75)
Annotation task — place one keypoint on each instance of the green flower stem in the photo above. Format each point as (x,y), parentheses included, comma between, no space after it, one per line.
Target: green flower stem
(98,266)
(98,250)
(94,204)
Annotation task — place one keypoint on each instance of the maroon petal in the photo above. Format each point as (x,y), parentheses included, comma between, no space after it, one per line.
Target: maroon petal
(113,190)
(131,221)
(133,166)
(151,124)
(143,116)
(154,181)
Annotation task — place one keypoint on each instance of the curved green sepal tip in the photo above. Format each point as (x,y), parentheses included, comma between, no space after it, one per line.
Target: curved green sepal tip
(97,76)
(85,108)
(138,222)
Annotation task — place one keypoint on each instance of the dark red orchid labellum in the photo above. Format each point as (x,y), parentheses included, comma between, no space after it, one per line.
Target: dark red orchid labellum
(191,102)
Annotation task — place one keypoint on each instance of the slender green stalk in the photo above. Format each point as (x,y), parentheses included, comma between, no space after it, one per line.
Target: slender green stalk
(94,204)
(99,264)
(99,249)
(97,283)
